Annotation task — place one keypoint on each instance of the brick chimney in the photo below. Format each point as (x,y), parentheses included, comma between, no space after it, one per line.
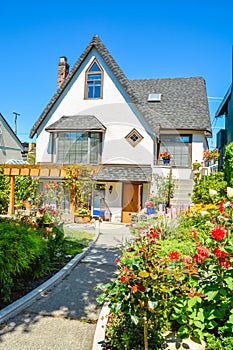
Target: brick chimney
(63,70)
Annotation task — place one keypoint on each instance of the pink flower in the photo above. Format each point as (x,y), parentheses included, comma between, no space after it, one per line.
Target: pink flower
(202,251)
(218,233)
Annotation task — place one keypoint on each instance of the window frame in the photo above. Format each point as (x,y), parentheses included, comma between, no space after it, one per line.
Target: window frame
(166,145)
(89,73)
(60,157)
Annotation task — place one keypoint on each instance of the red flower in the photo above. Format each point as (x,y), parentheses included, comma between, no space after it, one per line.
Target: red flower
(225,263)
(220,253)
(193,233)
(199,258)
(218,232)
(122,278)
(174,256)
(221,207)
(117,261)
(202,251)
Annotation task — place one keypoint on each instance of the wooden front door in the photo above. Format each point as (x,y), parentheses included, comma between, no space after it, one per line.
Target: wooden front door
(131,200)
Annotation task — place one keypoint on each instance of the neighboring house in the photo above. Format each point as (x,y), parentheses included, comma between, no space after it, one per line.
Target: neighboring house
(11,148)
(99,117)
(225,136)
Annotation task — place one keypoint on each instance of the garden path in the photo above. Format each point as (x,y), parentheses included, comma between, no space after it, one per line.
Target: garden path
(65,317)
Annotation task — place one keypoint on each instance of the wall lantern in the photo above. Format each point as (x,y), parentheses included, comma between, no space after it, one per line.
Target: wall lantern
(110,189)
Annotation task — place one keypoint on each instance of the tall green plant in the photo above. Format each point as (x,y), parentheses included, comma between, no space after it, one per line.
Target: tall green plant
(228,164)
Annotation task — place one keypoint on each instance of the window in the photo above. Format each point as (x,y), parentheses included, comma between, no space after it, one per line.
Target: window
(134,137)
(78,147)
(94,81)
(179,146)
(154,97)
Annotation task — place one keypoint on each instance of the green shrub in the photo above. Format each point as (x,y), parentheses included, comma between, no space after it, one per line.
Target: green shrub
(201,190)
(22,250)
(228,164)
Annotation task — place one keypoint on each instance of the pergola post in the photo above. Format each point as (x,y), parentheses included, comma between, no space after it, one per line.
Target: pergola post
(12,195)
(72,199)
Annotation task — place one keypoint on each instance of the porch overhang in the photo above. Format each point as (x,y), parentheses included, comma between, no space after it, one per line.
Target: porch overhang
(76,123)
(124,173)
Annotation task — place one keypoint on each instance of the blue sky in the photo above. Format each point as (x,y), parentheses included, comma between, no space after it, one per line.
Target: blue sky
(148,39)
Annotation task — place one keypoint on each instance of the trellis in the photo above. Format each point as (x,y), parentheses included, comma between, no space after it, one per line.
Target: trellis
(38,171)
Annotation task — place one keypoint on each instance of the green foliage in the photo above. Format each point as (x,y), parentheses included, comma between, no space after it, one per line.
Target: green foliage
(4,193)
(25,187)
(219,342)
(21,248)
(164,189)
(203,185)
(228,164)
(28,252)
(80,182)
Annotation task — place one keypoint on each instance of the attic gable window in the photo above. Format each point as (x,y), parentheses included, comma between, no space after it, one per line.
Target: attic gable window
(154,97)
(94,81)
(134,137)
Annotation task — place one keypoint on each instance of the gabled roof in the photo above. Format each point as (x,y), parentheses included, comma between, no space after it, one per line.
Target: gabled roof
(99,46)
(222,109)
(183,103)
(76,122)
(10,131)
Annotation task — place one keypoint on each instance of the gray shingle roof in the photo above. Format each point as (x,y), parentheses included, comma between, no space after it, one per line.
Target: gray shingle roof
(124,173)
(183,105)
(76,122)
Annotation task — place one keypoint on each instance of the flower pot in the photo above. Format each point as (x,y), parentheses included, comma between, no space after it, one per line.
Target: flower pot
(150,211)
(80,219)
(166,161)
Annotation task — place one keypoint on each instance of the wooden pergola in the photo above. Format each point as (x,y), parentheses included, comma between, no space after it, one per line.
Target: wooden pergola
(39,171)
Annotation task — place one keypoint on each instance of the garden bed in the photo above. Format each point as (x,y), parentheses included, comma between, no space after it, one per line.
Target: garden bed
(174,277)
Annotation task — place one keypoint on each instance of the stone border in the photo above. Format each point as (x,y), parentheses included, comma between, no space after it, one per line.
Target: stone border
(99,337)
(20,304)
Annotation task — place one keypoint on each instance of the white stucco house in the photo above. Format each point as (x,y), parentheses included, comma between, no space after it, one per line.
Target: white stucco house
(97,116)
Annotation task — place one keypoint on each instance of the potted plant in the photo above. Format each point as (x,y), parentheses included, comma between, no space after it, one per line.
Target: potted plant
(166,157)
(196,165)
(150,207)
(82,215)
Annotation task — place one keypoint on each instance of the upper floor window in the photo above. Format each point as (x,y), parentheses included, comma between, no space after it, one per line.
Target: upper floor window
(94,81)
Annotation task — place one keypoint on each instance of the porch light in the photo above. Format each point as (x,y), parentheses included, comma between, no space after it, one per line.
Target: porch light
(110,189)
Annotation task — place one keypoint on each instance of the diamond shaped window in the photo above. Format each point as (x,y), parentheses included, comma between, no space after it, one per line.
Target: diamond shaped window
(134,137)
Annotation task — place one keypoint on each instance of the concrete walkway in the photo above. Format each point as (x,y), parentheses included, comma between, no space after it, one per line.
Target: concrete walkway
(65,317)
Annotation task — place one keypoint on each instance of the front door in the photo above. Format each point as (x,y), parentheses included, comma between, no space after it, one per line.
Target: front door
(131,200)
